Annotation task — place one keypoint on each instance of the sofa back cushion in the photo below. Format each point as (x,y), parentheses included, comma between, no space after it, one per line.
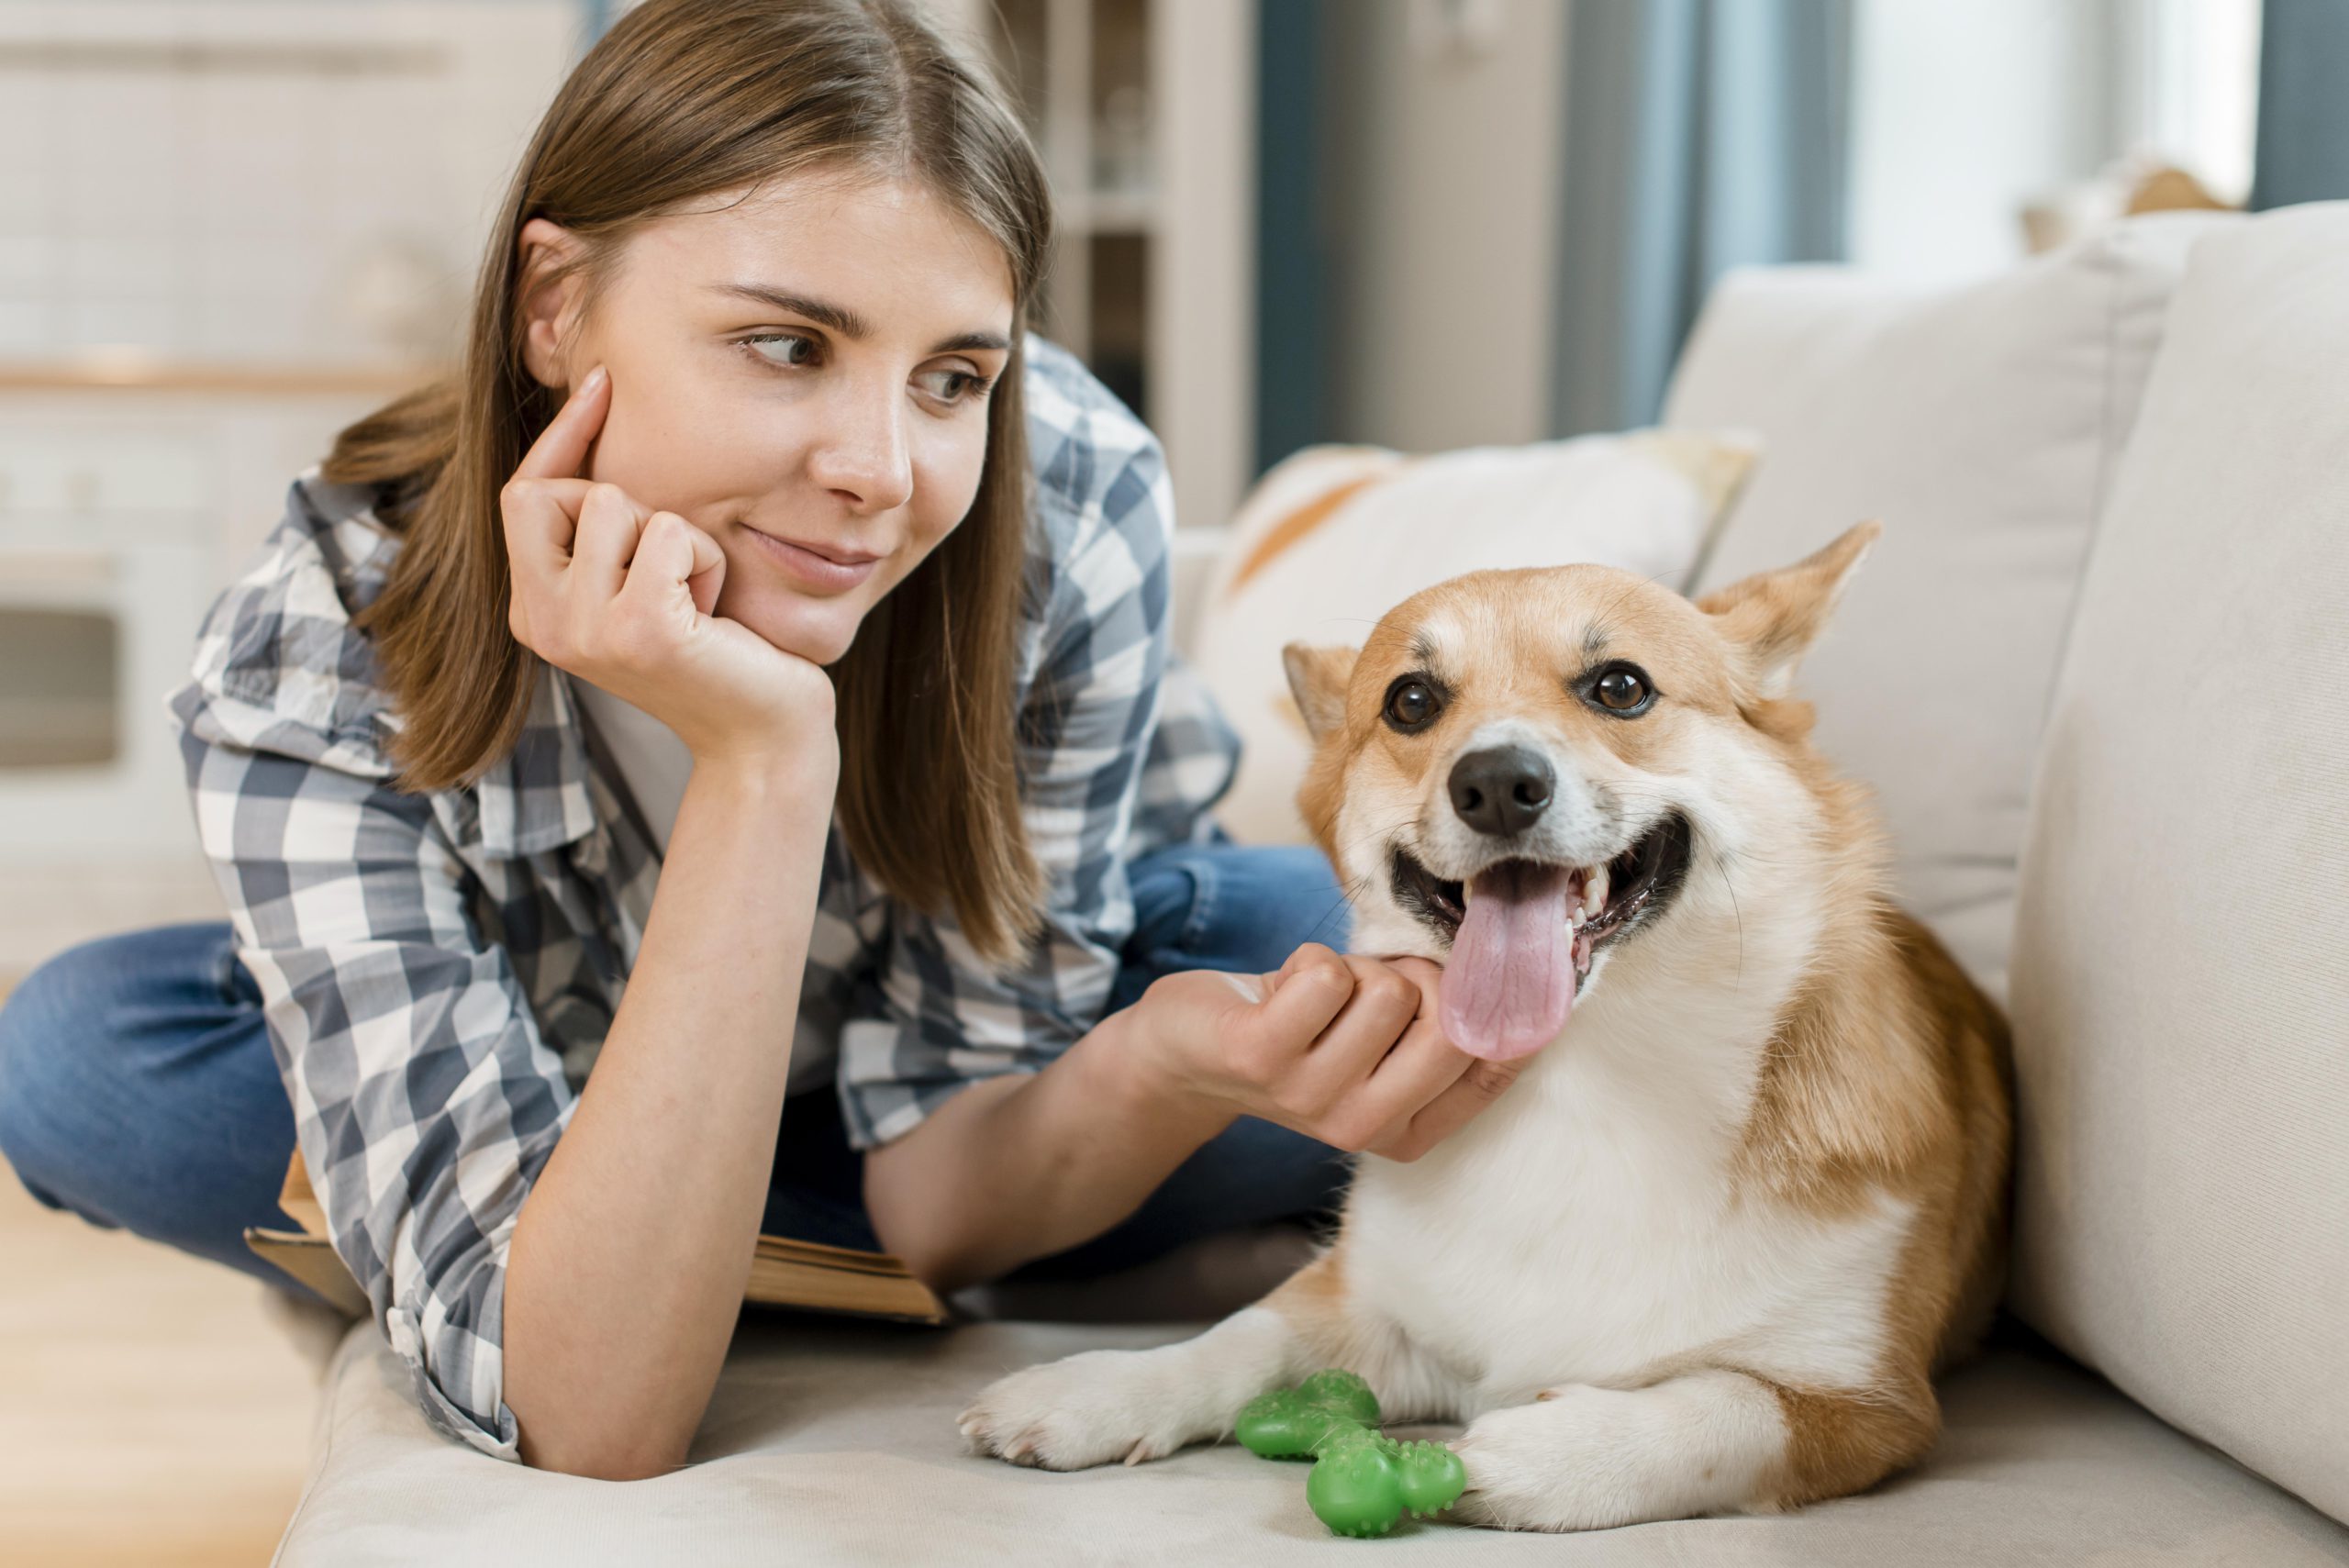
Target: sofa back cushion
(1335,537)
(1980,425)
(2181,981)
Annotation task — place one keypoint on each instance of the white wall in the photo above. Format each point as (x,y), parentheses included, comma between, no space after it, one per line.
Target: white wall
(1963,113)
(258,179)
(1441,335)
(2185,85)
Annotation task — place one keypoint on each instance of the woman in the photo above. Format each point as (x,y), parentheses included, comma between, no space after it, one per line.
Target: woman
(746,681)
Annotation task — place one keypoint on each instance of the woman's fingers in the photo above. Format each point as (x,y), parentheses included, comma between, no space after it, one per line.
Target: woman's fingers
(1391,1082)
(1427,1088)
(1383,1003)
(541,503)
(706,574)
(1306,992)
(1453,1109)
(671,552)
(610,527)
(561,450)
(707,579)
(540,517)
(1421,1066)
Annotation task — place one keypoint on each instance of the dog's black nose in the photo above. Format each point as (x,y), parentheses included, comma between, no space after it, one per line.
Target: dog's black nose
(1502,789)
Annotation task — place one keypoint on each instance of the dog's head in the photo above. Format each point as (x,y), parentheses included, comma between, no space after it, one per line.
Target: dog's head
(1521,773)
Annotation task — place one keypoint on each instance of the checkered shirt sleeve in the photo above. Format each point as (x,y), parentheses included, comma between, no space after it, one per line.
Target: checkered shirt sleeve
(424,1101)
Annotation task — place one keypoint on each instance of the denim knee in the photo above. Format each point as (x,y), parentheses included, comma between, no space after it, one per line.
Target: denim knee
(1227,907)
(34,1028)
(1296,897)
(137,1088)
(1251,905)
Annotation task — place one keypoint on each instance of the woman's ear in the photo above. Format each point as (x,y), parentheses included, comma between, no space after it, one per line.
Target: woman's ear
(1774,616)
(1317,678)
(551,293)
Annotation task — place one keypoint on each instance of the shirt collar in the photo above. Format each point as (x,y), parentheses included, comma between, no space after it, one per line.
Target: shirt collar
(537,796)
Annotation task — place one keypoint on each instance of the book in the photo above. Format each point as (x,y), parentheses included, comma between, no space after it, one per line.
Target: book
(808,1275)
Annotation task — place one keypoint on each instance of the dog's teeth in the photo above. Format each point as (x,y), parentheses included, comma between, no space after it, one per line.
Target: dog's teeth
(1593,893)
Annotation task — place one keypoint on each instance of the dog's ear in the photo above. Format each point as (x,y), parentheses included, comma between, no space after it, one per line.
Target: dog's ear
(1774,616)
(1317,678)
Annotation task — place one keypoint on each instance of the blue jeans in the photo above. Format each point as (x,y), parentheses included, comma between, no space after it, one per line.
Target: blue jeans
(138,1089)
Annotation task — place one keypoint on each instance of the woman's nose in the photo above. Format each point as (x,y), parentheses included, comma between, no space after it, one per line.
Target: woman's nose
(862,452)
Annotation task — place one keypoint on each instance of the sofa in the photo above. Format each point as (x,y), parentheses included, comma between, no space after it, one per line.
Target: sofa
(2097,675)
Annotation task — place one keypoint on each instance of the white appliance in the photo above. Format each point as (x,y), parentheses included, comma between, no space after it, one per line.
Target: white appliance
(108,535)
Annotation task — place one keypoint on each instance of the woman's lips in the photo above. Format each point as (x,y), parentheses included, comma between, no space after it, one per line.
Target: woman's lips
(820,571)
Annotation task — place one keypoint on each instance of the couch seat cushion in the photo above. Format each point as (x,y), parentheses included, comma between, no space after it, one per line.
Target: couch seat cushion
(833,1443)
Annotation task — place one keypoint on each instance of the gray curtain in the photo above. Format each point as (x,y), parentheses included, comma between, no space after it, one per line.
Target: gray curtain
(1294,251)
(2301,149)
(1700,135)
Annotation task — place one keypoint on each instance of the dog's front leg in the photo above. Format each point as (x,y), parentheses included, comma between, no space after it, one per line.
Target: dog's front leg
(1588,1458)
(1136,1405)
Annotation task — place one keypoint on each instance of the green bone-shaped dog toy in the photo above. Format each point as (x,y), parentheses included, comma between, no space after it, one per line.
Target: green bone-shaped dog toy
(1363,1480)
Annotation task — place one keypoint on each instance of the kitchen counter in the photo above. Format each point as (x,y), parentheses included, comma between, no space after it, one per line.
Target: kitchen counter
(131,371)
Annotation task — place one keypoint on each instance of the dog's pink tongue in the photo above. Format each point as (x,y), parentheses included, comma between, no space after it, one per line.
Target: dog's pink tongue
(1510,980)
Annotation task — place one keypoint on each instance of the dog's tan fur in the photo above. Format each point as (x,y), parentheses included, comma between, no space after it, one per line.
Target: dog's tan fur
(1881,1088)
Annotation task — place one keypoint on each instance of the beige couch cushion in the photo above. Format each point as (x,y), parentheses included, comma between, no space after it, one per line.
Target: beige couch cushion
(1979,424)
(832,1445)
(2181,993)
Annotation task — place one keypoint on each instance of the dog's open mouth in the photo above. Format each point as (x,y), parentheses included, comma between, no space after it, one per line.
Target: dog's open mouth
(1522,933)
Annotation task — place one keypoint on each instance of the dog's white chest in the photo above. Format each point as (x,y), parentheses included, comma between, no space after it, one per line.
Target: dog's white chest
(1592,1234)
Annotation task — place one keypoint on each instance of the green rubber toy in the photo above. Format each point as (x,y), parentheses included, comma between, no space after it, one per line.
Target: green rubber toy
(1363,1480)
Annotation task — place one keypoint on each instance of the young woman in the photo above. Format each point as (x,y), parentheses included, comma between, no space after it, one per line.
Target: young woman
(745,682)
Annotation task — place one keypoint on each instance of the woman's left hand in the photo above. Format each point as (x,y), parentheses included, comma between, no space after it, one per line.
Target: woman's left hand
(1343,1047)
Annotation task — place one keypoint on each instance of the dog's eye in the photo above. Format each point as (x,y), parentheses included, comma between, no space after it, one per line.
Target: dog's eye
(1411,703)
(1621,689)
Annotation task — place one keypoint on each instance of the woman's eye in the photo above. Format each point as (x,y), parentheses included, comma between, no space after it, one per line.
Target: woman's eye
(951,386)
(1411,703)
(1622,690)
(789,348)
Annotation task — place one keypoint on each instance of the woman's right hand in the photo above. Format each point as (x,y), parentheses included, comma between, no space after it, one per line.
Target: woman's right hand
(1342,1048)
(618,595)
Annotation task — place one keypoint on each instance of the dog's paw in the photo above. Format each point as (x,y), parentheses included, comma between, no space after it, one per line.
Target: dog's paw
(1522,1473)
(1087,1410)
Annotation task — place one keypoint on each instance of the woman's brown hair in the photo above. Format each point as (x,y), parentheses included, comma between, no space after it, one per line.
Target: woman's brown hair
(684,99)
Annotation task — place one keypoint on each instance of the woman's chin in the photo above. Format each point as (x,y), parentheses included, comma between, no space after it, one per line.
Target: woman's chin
(816,630)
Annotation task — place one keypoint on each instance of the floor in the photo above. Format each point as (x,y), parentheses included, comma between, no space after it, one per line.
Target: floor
(157,1410)
(157,1413)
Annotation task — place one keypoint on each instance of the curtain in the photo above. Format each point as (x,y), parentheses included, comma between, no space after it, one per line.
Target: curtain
(1700,135)
(2301,147)
(1294,255)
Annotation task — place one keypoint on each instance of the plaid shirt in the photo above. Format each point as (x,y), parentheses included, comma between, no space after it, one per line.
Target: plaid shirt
(439,969)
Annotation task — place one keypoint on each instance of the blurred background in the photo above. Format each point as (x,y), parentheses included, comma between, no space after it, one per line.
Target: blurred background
(230,226)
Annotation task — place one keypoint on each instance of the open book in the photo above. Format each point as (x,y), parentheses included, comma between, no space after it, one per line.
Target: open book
(784,1273)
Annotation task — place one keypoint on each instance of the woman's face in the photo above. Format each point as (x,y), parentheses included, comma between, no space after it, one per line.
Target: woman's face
(803,375)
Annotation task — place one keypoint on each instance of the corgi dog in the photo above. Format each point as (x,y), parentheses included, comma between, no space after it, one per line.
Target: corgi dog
(1747,1194)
